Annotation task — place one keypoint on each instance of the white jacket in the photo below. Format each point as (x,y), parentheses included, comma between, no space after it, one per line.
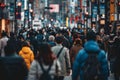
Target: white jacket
(35,70)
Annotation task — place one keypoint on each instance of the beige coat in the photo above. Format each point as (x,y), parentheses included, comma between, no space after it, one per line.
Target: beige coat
(64,59)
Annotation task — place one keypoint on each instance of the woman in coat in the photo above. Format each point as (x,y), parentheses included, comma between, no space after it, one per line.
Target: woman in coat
(45,57)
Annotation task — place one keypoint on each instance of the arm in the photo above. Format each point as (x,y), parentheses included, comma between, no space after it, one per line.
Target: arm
(68,64)
(104,64)
(31,57)
(32,75)
(76,68)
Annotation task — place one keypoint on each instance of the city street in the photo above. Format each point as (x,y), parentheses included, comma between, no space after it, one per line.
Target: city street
(26,24)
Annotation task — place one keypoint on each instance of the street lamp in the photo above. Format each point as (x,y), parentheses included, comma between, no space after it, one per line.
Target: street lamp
(19,4)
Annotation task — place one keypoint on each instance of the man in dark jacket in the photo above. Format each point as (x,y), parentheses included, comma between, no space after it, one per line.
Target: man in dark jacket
(12,66)
(90,46)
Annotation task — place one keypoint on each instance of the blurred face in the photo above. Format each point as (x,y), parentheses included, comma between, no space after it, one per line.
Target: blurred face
(98,37)
(102,31)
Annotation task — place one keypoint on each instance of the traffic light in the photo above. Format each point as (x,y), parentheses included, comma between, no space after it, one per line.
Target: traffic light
(17,14)
(18,10)
(2,5)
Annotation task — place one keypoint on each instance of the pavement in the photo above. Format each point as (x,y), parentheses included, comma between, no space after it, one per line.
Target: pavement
(111,77)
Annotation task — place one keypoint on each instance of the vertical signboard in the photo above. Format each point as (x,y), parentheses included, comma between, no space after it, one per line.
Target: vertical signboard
(112,10)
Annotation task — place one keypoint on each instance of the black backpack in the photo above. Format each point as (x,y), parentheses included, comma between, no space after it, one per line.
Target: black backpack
(45,75)
(91,68)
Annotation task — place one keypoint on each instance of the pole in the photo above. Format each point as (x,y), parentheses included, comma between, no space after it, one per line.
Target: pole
(15,20)
(28,15)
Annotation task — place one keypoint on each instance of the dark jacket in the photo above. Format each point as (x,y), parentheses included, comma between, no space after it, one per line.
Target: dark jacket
(90,46)
(13,68)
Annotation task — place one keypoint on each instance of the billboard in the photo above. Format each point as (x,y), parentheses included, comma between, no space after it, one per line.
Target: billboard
(55,8)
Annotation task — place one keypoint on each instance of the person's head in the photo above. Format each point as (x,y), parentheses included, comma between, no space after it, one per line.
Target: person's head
(51,38)
(102,31)
(9,48)
(59,39)
(45,53)
(117,41)
(26,44)
(78,41)
(91,35)
(3,34)
(12,34)
(21,37)
(76,35)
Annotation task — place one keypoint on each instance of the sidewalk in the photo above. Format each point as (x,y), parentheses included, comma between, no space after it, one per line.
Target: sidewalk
(111,77)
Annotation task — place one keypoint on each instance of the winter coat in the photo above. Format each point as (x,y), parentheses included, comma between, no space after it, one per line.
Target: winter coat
(13,67)
(27,55)
(73,52)
(51,43)
(90,46)
(64,59)
(36,71)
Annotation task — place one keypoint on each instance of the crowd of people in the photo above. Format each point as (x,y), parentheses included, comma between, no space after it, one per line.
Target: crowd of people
(59,52)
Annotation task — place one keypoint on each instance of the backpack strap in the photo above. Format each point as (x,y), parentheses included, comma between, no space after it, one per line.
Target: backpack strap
(60,52)
(44,69)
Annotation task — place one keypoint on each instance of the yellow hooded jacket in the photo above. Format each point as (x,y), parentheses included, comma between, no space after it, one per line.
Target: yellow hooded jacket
(27,55)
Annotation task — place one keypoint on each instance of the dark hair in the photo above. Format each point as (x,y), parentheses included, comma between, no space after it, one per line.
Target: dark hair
(25,43)
(3,34)
(20,37)
(91,35)
(59,39)
(9,48)
(45,54)
(76,35)
(12,34)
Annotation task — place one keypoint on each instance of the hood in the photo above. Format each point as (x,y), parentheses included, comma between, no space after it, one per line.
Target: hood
(26,50)
(91,46)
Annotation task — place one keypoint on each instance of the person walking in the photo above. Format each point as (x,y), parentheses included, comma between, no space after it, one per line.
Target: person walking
(116,63)
(3,43)
(63,57)
(12,66)
(90,47)
(77,45)
(26,53)
(45,61)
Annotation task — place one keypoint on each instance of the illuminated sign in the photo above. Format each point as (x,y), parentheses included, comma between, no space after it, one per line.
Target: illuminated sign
(55,8)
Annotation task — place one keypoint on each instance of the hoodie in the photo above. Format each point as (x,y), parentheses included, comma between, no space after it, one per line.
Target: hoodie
(27,54)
